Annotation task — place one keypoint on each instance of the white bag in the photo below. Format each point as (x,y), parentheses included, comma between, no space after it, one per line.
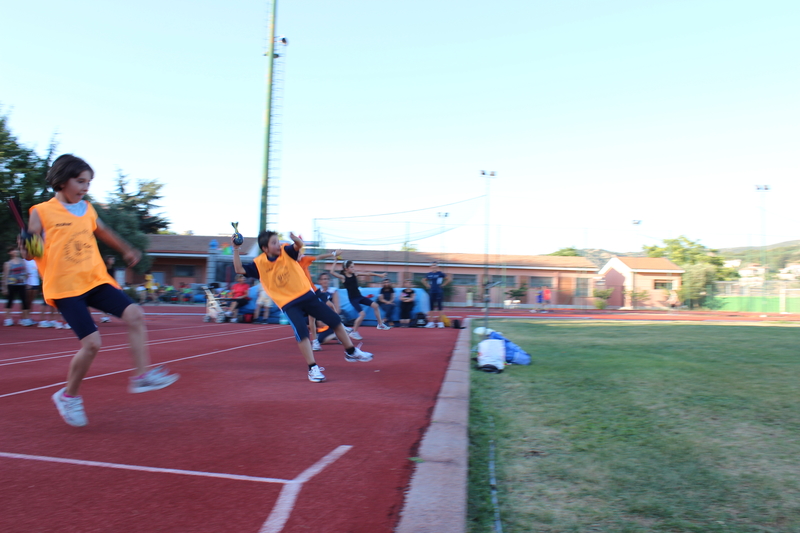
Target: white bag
(491,355)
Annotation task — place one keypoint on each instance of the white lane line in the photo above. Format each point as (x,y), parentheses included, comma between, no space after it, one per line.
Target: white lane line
(150,329)
(113,347)
(62,383)
(280,512)
(285,504)
(142,468)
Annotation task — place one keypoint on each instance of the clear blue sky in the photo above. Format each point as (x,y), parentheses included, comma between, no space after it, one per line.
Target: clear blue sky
(593,113)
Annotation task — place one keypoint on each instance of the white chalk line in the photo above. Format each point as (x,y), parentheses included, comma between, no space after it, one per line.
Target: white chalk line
(281,511)
(113,347)
(285,504)
(105,335)
(62,383)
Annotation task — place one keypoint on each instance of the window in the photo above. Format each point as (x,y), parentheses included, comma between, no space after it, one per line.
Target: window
(184,271)
(537,281)
(510,281)
(662,284)
(392,277)
(581,287)
(465,279)
(418,277)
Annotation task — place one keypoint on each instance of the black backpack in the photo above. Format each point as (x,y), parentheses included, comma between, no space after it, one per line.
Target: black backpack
(419,321)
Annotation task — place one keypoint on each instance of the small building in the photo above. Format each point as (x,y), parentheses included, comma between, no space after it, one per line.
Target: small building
(654,277)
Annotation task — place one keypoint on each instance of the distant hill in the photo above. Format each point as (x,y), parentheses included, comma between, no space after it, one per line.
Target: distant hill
(777,255)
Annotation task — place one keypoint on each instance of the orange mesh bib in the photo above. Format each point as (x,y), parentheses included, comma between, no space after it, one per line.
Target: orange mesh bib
(283,279)
(71,264)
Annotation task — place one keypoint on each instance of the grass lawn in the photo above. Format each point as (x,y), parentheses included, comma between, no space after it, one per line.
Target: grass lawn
(634,427)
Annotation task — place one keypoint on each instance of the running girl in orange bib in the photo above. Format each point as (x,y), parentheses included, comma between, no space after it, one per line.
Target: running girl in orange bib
(75,278)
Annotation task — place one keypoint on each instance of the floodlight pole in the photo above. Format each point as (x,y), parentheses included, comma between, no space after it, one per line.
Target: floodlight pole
(486,284)
(763,189)
(262,222)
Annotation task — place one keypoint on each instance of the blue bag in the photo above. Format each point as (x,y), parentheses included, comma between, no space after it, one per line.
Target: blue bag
(514,354)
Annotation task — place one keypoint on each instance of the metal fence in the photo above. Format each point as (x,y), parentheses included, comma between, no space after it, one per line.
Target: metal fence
(761,297)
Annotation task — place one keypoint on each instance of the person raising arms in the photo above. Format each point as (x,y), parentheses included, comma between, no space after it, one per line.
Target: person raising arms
(286,283)
(349,276)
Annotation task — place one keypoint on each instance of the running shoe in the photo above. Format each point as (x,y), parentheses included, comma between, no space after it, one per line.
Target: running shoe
(383,327)
(154,379)
(105,319)
(315,374)
(430,325)
(27,322)
(358,356)
(355,335)
(70,409)
(315,345)
(440,324)
(8,322)
(45,324)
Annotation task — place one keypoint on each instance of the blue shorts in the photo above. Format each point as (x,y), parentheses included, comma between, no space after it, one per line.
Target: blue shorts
(358,302)
(307,305)
(105,298)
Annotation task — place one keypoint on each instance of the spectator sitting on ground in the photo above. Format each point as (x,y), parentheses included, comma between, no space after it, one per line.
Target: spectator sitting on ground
(407,301)
(239,295)
(263,302)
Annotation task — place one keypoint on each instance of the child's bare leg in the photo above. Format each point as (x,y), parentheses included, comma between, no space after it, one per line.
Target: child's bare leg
(377,311)
(81,362)
(305,349)
(359,320)
(342,335)
(133,316)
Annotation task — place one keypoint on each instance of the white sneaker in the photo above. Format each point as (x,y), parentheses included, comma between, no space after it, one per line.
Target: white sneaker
(154,379)
(105,319)
(45,324)
(348,330)
(8,322)
(383,327)
(70,409)
(430,325)
(355,335)
(315,374)
(358,356)
(440,325)
(66,326)
(315,345)
(27,322)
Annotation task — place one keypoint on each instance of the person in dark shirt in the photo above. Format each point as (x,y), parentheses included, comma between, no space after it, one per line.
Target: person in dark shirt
(435,281)
(407,300)
(386,300)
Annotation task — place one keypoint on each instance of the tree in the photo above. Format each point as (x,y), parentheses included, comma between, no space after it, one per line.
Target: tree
(126,224)
(697,289)
(519,293)
(22,174)
(567,252)
(141,203)
(602,296)
(408,247)
(684,252)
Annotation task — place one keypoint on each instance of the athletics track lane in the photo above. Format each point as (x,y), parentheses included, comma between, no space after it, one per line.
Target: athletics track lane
(243,407)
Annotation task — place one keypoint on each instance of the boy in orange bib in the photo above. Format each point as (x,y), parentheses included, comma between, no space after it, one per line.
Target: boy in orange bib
(75,278)
(285,282)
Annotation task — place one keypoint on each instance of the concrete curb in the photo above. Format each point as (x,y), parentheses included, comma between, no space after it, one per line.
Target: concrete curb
(436,501)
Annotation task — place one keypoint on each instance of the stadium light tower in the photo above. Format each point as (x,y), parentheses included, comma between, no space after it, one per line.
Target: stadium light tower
(265,185)
(489,175)
(764,189)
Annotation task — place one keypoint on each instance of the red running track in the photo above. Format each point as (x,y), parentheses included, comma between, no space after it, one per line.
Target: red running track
(243,442)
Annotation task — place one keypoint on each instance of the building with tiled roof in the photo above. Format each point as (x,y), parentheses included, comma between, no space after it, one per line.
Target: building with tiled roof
(655,279)
(202,259)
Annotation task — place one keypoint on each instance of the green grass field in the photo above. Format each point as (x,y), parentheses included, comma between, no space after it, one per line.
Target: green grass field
(755,304)
(638,427)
